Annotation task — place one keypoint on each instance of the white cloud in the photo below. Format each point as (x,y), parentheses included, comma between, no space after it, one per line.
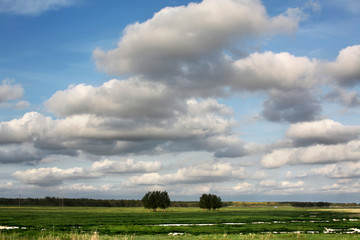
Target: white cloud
(291,106)
(203,173)
(32,7)
(274,70)
(55,176)
(81,187)
(195,190)
(346,170)
(344,97)
(128,166)
(244,187)
(341,188)
(20,153)
(272,187)
(313,5)
(268,183)
(187,38)
(22,105)
(317,154)
(107,128)
(268,187)
(324,131)
(10,91)
(128,99)
(24,129)
(345,70)
(52,176)
(6,185)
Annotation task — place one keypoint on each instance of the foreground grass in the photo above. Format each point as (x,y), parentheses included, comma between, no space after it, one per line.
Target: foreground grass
(186,237)
(137,223)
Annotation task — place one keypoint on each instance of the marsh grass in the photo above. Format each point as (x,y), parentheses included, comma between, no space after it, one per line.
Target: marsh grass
(250,236)
(84,223)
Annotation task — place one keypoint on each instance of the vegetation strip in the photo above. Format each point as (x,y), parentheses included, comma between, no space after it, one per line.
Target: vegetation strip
(34,222)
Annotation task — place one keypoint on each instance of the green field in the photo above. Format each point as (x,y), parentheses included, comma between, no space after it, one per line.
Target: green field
(193,223)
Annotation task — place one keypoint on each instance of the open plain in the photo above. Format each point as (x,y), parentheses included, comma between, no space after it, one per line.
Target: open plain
(178,223)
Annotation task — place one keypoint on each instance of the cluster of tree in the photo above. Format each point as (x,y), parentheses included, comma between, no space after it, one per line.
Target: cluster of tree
(69,202)
(310,204)
(210,201)
(156,199)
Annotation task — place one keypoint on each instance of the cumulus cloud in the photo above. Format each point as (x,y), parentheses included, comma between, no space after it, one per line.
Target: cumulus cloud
(345,69)
(346,170)
(184,47)
(6,186)
(10,91)
(344,97)
(22,153)
(81,187)
(55,176)
(270,183)
(291,106)
(263,71)
(273,187)
(324,131)
(195,30)
(268,187)
(128,166)
(99,129)
(127,99)
(32,7)
(51,176)
(317,142)
(315,154)
(201,173)
(340,188)
(25,129)
(244,187)
(21,105)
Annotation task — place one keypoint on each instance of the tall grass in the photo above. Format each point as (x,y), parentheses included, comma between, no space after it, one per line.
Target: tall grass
(136,223)
(96,236)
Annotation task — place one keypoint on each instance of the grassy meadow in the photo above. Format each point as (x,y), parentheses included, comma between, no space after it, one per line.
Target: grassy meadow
(193,223)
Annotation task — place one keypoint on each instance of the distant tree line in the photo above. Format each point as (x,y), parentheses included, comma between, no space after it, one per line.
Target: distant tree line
(69,202)
(310,204)
(87,202)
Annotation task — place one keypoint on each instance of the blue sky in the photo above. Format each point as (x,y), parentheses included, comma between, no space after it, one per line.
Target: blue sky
(251,100)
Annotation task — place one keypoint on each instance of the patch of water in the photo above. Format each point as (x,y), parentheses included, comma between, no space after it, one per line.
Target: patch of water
(176,234)
(7,228)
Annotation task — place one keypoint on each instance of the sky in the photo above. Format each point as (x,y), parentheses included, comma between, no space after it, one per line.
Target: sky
(247,99)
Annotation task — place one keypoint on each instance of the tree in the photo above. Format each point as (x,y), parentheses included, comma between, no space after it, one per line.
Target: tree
(156,199)
(164,200)
(210,201)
